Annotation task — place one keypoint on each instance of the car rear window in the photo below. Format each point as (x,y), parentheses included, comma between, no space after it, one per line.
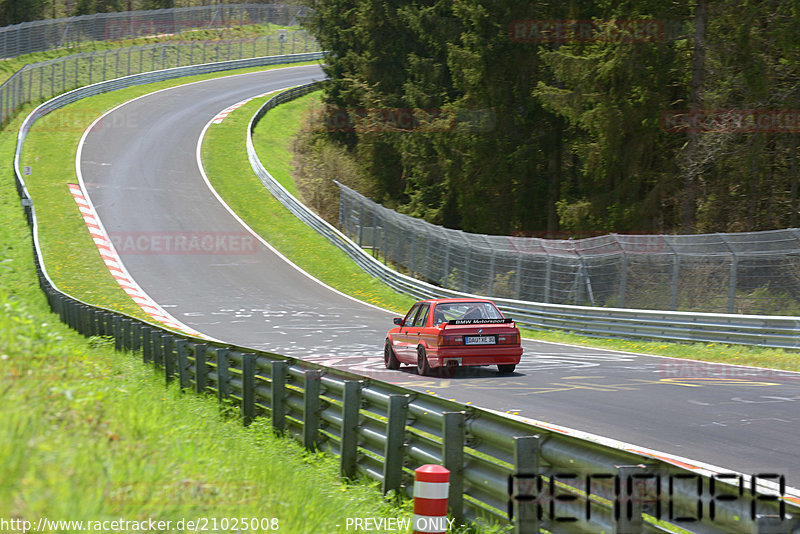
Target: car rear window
(465,310)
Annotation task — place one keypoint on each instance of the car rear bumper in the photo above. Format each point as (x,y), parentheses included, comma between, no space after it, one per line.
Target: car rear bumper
(490,355)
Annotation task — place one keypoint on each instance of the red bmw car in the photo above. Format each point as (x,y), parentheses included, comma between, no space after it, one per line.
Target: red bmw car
(451,333)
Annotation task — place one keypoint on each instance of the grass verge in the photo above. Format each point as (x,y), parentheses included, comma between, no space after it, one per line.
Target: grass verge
(90,434)
(69,253)
(227,167)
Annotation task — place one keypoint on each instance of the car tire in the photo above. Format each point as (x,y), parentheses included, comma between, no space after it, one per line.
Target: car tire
(423,368)
(389,358)
(506,368)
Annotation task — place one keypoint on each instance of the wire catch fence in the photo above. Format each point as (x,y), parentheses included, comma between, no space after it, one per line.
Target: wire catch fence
(754,273)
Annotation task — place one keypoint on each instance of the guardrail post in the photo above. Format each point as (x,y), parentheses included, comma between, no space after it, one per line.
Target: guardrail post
(629,486)
(158,348)
(775,524)
(351,405)
(117,331)
(523,485)
(169,357)
(223,376)
(147,344)
(136,336)
(108,324)
(311,408)
(182,349)
(127,333)
(200,368)
(453,459)
(395,443)
(248,388)
(70,314)
(80,310)
(278,394)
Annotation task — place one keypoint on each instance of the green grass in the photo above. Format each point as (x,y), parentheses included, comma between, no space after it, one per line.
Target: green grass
(90,434)
(70,256)
(226,164)
(87,433)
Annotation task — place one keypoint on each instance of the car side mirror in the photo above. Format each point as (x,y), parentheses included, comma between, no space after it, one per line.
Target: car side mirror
(398,321)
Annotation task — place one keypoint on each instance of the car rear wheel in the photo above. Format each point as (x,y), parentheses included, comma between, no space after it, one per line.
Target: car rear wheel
(389,357)
(506,368)
(423,368)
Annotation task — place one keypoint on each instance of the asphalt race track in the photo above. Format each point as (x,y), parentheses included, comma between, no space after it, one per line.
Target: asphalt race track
(139,167)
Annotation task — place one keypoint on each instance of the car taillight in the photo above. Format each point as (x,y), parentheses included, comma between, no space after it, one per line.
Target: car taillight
(508,339)
(451,340)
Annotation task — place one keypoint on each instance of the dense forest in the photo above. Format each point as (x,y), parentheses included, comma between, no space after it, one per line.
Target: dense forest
(563,118)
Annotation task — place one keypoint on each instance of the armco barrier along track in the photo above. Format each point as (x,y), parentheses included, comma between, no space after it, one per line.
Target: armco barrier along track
(768,331)
(499,466)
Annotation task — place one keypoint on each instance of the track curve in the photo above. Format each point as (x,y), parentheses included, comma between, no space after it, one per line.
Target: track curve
(140,171)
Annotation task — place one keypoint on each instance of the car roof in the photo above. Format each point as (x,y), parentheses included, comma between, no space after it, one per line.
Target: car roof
(444,301)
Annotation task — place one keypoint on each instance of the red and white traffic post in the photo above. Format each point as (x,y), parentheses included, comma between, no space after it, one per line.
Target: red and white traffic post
(431,488)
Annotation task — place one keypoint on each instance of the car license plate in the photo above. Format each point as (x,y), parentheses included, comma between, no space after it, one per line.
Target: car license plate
(479,340)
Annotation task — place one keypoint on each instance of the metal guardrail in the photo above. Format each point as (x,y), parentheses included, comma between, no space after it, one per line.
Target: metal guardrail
(550,479)
(769,331)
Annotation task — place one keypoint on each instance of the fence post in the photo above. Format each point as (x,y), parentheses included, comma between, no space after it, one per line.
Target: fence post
(453,459)
(158,347)
(548,274)
(147,353)
(351,404)
(248,388)
(523,485)
(223,377)
(627,517)
(775,524)
(623,280)
(395,443)
(279,369)
(200,368)
(118,345)
(676,268)
(182,349)
(732,283)
(169,357)
(311,408)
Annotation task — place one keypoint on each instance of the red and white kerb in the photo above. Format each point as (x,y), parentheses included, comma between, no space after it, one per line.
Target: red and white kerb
(117,269)
(431,487)
(222,115)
